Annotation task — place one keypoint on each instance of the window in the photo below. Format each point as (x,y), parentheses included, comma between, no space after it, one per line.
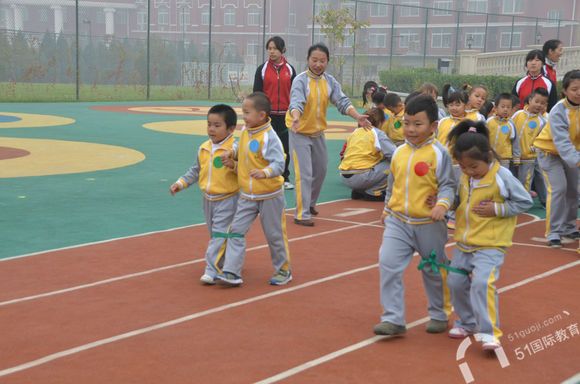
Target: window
(379,10)
(444,8)
(554,14)
(44,15)
(408,40)
(184,18)
(513,6)
(161,3)
(230,16)
(142,20)
(477,39)
(229,48)
(441,40)
(253,16)
(163,17)
(409,9)
(252,49)
(320,7)
(100,16)
(291,50)
(477,5)
(205,17)
(291,19)
(504,41)
(348,41)
(377,40)
(348,5)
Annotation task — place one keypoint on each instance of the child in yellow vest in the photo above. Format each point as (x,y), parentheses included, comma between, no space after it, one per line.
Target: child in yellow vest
(218,182)
(260,159)
(559,158)
(476,97)
(502,131)
(490,198)
(529,123)
(395,111)
(365,165)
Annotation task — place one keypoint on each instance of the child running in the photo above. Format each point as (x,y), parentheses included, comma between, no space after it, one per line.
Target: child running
(529,122)
(502,131)
(365,165)
(218,183)
(490,198)
(260,157)
(559,159)
(420,169)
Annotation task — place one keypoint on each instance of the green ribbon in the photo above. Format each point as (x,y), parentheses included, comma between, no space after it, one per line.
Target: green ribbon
(435,265)
(225,235)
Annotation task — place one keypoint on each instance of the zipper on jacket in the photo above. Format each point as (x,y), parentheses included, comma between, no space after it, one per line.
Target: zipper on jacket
(278,75)
(407,183)
(467,212)
(209,173)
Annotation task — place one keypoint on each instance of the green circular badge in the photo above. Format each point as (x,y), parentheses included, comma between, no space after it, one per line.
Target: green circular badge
(397,124)
(217,162)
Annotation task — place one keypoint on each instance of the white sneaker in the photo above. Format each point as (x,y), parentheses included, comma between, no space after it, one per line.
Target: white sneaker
(288,185)
(458,333)
(488,342)
(207,280)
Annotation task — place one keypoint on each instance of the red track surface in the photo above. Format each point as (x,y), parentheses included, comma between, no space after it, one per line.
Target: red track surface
(219,337)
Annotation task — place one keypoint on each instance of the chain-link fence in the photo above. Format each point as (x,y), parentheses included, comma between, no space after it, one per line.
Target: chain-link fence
(209,49)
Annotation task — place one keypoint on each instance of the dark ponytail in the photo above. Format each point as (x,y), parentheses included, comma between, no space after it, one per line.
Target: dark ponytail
(471,139)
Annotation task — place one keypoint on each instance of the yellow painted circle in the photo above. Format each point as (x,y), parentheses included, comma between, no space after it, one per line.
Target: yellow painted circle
(337,130)
(57,157)
(28,120)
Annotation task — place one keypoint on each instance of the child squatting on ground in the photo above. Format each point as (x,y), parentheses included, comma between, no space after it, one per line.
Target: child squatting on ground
(260,164)
(490,198)
(420,169)
(218,183)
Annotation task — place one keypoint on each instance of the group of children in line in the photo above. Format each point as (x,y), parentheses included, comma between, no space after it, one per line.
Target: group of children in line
(423,166)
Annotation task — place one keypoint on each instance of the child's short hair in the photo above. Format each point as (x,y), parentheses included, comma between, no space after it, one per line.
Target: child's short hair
(261,102)
(538,91)
(379,98)
(423,103)
(392,100)
(412,95)
(504,96)
(376,116)
(471,139)
(451,95)
(569,77)
(226,112)
(515,100)
(486,109)
(429,88)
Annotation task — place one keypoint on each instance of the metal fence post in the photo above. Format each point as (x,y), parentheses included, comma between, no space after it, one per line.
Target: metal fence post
(209,51)
(512,33)
(354,48)
(313,19)
(264,34)
(485,33)
(457,37)
(78,80)
(148,49)
(392,38)
(425,38)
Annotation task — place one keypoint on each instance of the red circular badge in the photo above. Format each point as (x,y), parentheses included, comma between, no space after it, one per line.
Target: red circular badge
(421,168)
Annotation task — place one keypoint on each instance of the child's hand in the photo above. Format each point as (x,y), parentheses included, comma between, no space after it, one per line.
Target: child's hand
(363,121)
(257,174)
(229,162)
(485,208)
(295,125)
(431,201)
(438,213)
(384,217)
(175,187)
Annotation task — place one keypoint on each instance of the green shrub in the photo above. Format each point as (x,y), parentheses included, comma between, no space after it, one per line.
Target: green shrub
(409,80)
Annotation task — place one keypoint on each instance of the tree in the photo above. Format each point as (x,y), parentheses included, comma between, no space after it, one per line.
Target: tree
(338,25)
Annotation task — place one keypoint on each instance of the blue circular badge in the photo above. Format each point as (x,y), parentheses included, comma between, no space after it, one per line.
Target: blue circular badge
(505,129)
(532,124)
(254,146)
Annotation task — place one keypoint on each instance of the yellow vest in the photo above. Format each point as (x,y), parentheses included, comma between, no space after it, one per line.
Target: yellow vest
(501,132)
(395,127)
(251,156)
(363,151)
(528,127)
(313,120)
(544,140)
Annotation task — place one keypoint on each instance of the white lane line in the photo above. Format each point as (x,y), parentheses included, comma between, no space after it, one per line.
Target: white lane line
(127,237)
(137,332)
(346,221)
(160,269)
(545,247)
(372,340)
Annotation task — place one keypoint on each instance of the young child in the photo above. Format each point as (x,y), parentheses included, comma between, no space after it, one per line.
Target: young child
(559,159)
(420,171)
(455,102)
(394,122)
(379,100)
(490,198)
(488,109)
(431,90)
(477,95)
(529,122)
(502,131)
(260,157)
(218,183)
(365,165)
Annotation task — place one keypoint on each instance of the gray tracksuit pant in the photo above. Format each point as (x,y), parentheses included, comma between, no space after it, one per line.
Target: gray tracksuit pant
(218,217)
(562,202)
(475,298)
(526,173)
(273,220)
(400,241)
(372,182)
(310,160)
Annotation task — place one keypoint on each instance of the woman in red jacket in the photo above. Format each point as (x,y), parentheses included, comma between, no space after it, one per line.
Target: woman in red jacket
(274,78)
(535,78)
(552,49)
